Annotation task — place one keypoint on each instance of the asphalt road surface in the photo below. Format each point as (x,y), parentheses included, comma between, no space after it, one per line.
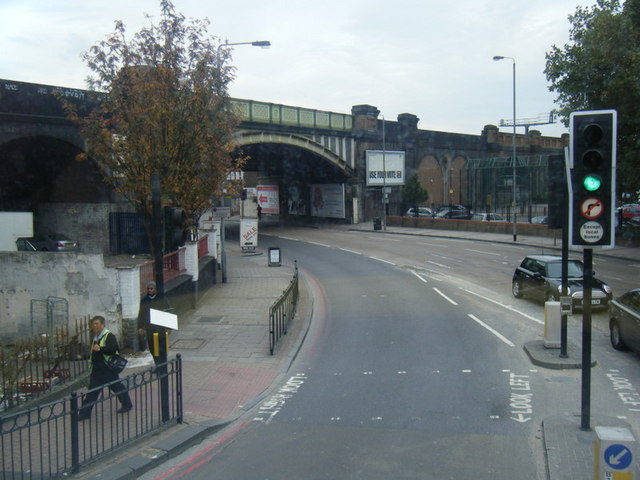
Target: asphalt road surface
(413,368)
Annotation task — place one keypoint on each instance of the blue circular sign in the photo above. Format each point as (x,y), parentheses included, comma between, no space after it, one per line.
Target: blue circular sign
(618,456)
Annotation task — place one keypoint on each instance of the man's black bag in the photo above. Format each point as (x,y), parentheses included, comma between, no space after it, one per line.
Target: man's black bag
(116,362)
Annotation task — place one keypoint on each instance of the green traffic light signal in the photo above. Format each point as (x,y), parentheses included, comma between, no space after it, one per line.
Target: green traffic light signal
(591,183)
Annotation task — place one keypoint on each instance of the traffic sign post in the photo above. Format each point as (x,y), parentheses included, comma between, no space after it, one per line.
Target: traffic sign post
(613,453)
(593,178)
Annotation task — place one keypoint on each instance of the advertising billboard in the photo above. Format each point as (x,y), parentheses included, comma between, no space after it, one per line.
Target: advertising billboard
(327,200)
(268,198)
(384,168)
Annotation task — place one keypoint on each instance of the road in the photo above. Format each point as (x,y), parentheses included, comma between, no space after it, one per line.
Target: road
(412,368)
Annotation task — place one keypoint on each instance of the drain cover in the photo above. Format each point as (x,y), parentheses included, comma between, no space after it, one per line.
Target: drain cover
(188,344)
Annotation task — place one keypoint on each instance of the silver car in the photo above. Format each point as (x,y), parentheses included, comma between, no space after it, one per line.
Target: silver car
(51,242)
(624,321)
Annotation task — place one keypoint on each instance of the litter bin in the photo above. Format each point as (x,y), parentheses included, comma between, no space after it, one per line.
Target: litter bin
(377,224)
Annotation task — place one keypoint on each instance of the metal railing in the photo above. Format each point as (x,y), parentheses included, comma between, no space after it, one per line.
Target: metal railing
(49,441)
(173,264)
(282,311)
(30,367)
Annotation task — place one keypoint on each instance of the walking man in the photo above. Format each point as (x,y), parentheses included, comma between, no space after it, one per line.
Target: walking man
(104,345)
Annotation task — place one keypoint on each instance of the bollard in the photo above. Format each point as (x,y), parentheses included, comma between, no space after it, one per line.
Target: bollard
(552,326)
(613,452)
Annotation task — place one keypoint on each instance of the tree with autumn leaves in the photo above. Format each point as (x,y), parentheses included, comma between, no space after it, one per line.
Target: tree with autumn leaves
(167,110)
(599,69)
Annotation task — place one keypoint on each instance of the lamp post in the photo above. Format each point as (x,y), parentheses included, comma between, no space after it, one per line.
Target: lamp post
(513,157)
(255,43)
(384,177)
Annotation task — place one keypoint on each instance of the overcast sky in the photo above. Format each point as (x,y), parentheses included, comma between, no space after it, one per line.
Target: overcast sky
(426,57)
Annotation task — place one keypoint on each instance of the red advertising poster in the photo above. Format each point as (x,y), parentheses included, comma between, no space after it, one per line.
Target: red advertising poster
(269,198)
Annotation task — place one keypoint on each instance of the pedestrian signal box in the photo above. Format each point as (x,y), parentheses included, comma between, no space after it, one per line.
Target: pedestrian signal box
(593,178)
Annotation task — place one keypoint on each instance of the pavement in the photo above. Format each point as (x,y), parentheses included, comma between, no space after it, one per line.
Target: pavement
(228,368)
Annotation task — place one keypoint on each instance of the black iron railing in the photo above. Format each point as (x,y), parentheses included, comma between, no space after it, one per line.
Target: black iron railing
(50,440)
(31,367)
(282,311)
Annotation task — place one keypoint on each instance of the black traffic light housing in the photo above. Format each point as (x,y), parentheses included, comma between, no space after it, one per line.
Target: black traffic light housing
(593,178)
(175,234)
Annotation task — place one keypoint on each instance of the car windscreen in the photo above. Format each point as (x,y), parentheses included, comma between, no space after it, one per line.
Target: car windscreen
(574,269)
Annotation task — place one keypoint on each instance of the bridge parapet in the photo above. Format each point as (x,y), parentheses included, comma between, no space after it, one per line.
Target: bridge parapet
(263,112)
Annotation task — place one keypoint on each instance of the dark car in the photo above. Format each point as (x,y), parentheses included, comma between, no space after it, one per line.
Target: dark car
(540,277)
(624,321)
(457,212)
(52,242)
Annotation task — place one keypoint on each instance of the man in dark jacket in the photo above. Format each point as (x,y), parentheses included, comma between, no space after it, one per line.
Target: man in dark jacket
(104,345)
(155,301)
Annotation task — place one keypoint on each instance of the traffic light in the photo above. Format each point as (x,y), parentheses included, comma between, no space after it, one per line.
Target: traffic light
(174,231)
(243,194)
(593,178)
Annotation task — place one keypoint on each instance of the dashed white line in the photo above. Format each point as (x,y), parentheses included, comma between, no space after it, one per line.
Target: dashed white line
(445,297)
(318,243)
(384,261)
(438,264)
(495,332)
(350,251)
(508,307)
(484,253)
(419,276)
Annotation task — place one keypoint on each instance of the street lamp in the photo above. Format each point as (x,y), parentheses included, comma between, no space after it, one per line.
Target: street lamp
(384,178)
(513,158)
(255,43)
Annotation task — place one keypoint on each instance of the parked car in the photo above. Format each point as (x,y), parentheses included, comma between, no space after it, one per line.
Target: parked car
(488,217)
(540,277)
(453,211)
(25,245)
(422,212)
(52,242)
(628,211)
(624,321)
(540,220)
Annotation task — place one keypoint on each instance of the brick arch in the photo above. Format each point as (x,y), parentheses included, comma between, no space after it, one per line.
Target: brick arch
(430,177)
(248,138)
(457,182)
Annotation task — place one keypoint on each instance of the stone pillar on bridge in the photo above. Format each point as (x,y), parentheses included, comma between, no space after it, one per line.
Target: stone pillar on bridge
(365,118)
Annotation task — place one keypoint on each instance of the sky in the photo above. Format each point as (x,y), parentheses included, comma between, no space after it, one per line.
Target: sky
(431,58)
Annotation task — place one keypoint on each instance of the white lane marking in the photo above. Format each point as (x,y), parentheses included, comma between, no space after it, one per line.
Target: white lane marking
(438,264)
(288,238)
(508,307)
(444,296)
(419,276)
(385,239)
(483,252)
(318,243)
(350,251)
(429,244)
(495,332)
(385,261)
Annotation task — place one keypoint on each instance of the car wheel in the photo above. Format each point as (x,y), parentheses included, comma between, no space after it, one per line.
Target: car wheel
(616,335)
(516,289)
(552,297)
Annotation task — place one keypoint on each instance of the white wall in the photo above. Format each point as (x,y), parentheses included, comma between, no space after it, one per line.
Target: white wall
(14,225)
(81,279)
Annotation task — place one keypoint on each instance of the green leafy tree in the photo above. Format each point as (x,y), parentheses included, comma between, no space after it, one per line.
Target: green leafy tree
(413,193)
(599,69)
(167,111)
